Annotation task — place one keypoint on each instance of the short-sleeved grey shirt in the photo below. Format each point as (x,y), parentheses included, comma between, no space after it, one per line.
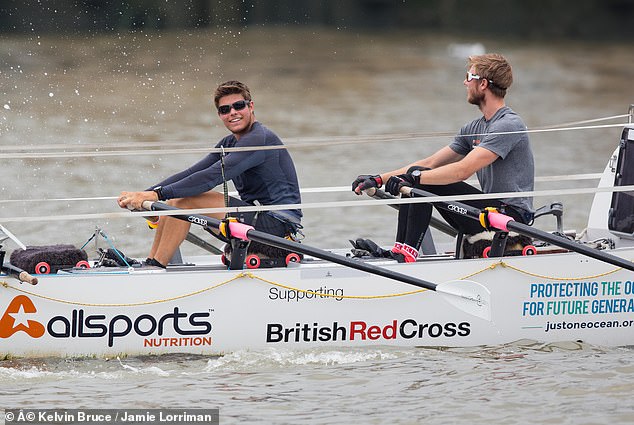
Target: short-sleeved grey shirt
(514,170)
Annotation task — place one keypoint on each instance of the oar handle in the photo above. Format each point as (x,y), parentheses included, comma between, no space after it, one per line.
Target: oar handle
(21,275)
(371,192)
(147,205)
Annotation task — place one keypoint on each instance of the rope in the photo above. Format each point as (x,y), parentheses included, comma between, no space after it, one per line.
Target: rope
(225,188)
(306,143)
(333,204)
(576,123)
(115,250)
(209,288)
(151,145)
(158,301)
(354,297)
(250,275)
(504,264)
(327,189)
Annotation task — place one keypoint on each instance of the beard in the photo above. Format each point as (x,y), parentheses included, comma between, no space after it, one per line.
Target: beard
(475,98)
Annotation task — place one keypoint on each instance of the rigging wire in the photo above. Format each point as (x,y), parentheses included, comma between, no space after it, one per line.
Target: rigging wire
(295,144)
(332,204)
(292,140)
(291,143)
(311,190)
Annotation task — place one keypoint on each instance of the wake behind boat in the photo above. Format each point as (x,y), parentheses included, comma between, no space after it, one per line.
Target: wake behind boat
(332,299)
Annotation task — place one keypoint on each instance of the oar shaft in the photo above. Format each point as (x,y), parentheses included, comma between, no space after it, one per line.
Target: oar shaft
(19,274)
(451,206)
(471,297)
(573,246)
(506,223)
(246,232)
(435,223)
(278,242)
(201,243)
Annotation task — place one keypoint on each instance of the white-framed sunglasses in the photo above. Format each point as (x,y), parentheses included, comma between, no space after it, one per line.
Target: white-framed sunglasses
(471,76)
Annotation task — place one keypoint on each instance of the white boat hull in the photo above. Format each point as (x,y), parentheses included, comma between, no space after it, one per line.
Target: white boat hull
(554,297)
(546,298)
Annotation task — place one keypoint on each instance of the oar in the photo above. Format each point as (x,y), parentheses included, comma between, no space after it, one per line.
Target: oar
(193,239)
(469,296)
(435,223)
(201,243)
(506,223)
(19,274)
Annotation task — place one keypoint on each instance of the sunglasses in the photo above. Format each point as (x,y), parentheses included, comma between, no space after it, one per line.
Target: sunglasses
(471,76)
(238,106)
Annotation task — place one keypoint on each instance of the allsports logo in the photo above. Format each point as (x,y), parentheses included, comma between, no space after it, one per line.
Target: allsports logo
(19,317)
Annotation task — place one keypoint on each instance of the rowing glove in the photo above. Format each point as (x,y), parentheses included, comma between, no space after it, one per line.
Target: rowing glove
(395,183)
(365,182)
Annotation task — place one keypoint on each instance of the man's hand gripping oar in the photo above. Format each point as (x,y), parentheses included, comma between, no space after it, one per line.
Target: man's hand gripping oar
(469,296)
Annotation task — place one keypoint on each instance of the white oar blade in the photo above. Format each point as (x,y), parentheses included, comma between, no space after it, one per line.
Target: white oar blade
(469,296)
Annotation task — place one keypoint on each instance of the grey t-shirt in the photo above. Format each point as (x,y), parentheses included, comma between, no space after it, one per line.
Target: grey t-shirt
(514,170)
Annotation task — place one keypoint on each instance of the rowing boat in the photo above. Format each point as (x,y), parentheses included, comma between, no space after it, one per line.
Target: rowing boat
(573,290)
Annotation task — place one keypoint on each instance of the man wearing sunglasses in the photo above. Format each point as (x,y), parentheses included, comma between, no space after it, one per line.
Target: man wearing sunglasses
(261,175)
(495,147)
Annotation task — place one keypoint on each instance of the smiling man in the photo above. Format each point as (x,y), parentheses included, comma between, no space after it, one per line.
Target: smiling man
(260,174)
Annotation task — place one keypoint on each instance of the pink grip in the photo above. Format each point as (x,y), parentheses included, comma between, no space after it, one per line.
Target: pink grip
(498,220)
(239,230)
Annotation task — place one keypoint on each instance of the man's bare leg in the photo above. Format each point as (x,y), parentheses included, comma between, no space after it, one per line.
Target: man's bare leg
(171,232)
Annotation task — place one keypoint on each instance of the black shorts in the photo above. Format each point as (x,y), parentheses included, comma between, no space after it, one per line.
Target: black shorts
(264,220)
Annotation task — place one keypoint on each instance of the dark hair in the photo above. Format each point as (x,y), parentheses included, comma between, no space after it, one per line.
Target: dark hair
(231,87)
(496,68)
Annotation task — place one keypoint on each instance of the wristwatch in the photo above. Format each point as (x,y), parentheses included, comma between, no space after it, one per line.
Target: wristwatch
(159,192)
(416,174)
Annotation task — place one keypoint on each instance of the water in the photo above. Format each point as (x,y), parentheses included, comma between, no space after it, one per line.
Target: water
(569,384)
(136,89)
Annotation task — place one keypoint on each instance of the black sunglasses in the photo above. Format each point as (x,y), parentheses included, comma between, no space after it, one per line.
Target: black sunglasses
(238,106)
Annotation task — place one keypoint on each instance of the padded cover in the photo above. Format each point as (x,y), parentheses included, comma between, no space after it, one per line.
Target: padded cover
(57,256)
(474,245)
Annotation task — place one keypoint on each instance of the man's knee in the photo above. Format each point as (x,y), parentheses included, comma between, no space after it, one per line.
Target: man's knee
(209,199)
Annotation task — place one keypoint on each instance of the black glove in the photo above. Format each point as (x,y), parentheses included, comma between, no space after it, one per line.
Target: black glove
(366,181)
(370,246)
(395,183)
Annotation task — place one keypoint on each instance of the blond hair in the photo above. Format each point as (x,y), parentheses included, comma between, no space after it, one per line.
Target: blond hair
(493,67)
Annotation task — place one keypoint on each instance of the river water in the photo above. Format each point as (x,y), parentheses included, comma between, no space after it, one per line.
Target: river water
(314,87)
